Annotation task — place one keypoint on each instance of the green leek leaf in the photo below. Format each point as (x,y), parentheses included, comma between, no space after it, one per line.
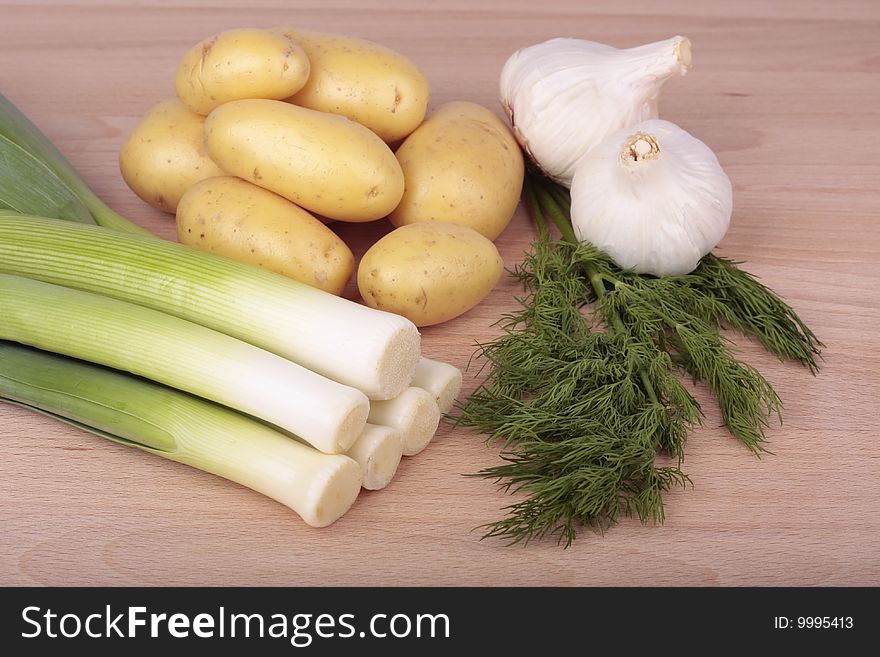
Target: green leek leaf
(28,186)
(15,127)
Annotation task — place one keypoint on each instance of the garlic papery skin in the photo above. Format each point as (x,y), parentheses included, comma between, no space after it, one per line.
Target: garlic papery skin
(564,96)
(653,197)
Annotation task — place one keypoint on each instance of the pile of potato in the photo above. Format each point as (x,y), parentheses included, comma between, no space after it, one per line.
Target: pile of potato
(275,133)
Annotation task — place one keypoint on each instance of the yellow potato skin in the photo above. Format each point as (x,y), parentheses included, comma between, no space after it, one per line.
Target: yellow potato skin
(367,82)
(234,218)
(429,272)
(236,64)
(323,162)
(463,166)
(165,155)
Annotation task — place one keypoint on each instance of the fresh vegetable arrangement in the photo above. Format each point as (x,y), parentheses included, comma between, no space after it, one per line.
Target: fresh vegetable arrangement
(318,396)
(583,384)
(249,363)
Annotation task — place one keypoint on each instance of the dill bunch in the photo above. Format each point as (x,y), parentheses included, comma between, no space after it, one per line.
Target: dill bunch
(582,387)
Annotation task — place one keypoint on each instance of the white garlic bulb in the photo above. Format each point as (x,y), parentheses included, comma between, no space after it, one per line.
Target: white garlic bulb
(653,197)
(564,96)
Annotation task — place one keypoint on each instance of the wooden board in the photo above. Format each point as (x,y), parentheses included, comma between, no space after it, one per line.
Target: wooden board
(788,95)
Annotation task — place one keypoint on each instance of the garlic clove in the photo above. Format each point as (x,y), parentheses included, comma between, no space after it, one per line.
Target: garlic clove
(563,96)
(653,197)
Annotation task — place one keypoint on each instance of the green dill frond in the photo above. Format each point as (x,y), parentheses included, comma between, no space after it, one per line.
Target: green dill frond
(757,311)
(582,386)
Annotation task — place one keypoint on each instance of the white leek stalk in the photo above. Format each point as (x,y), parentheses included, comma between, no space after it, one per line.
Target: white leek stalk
(414,413)
(180,427)
(377,450)
(368,349)
(183,355)
(442,380)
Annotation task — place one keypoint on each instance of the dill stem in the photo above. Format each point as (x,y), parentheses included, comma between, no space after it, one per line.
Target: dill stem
(561,198)
(597,281)
(546,201)
(535,208)
(649,388)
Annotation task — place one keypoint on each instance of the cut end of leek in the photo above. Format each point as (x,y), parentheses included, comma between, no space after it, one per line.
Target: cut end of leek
(333,491)
(414,413)
(378,450)
(442,380)
(351,424)
(396,363)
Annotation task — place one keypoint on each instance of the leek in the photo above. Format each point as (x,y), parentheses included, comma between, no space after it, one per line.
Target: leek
(377,450)
(442,380)
(27,185)
(368,349)
(16,128)
(180,427)
(414,413)
(183,355)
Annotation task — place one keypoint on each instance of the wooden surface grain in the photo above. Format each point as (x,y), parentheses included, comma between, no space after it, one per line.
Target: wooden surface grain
(788,95)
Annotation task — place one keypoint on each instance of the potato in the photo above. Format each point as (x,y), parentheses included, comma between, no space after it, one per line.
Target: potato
(462,165)
(429,272)
(323,162)
(364,81)
(239,220)
(165,155)
(240,64)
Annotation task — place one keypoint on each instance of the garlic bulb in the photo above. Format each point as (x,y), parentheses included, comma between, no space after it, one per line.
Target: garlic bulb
(653,197)
(564,96)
